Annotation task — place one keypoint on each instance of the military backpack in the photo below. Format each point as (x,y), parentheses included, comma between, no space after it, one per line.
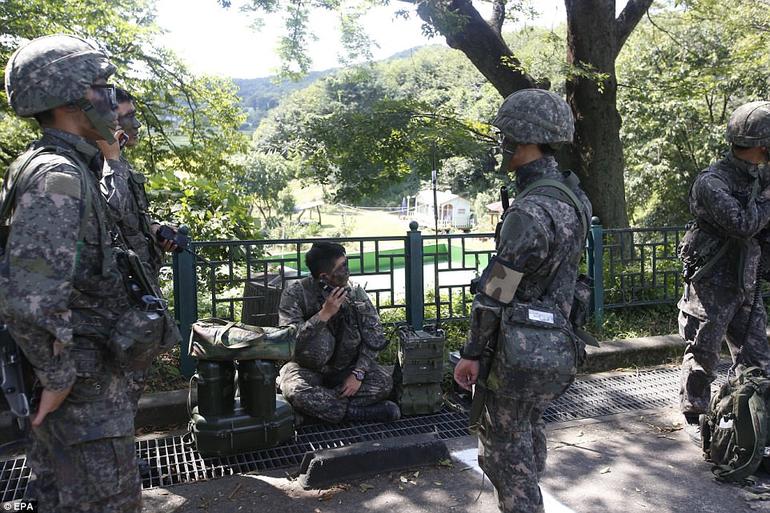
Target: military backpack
(735,432)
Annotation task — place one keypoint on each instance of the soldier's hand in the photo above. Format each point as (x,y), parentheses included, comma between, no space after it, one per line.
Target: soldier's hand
(350,386)
(169,246)
(111,151)
(332,304)
(50,400)
(466,373)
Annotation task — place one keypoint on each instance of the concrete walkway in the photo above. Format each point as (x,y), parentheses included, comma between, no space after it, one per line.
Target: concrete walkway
(629,463)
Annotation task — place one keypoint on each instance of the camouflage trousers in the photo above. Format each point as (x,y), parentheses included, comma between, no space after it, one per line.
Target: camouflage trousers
(97,476)
(512,447)
(318,395)
(726,316)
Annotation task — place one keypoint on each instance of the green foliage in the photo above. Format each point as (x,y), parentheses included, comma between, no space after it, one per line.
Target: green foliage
(681,75)
(191,122)
(374,133)
(639,321)
(264,177)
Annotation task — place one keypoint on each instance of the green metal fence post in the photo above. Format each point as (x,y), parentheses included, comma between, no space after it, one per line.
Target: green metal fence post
(185,305)
(596,268)
(415,293)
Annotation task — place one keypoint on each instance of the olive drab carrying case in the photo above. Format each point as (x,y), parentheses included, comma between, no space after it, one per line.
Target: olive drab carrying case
(218,339)
(735,432)
(420,356)
(419,371)
(232,356)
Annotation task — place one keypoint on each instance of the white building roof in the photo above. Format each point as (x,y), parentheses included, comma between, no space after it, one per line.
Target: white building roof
(426,197)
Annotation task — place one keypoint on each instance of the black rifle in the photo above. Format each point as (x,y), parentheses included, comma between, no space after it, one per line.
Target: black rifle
(12,369)
(485,361)
(506,202)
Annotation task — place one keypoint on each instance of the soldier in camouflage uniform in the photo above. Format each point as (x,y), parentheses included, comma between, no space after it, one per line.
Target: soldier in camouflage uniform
(334,375)
(524,299)
(721,252)
(123,187)
(61,293)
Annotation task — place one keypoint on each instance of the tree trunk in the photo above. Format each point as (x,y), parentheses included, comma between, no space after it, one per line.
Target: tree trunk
(597,154)
(464,29)
(594,39)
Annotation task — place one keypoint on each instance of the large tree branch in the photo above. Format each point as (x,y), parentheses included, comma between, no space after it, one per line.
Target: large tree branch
(627,20)
(465,30)
(498,15)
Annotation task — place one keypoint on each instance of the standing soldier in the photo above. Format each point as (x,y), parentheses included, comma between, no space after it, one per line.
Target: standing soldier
(61,293)
(123,187)
(721,254)
(522,308)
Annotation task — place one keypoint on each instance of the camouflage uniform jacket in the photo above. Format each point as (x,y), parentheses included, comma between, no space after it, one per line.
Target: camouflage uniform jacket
(124,189)
(344,342)
(61,286)
(542,237)
(725,209)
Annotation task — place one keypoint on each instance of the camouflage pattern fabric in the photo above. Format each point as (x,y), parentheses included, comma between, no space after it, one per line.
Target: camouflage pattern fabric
(718,305)
(318,395)
(61,298)
(499,281)
(123,187)
(51,71)
(543,237)
(124,191)
(325,353)
(749,125)
(535,116)
(97,476)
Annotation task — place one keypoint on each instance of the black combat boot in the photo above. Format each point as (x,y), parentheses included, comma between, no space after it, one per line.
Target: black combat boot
(385,411)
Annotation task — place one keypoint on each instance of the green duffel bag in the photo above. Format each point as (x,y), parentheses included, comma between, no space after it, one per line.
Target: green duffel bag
(217,339)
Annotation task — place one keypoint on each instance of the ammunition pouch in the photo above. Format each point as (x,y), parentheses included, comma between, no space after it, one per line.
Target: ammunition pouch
(139,336)
(220,340)
(535,340)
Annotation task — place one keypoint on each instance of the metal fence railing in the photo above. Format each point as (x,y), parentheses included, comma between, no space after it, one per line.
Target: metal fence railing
(410,278)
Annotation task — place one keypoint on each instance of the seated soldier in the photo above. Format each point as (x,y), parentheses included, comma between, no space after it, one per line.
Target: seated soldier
(334,375)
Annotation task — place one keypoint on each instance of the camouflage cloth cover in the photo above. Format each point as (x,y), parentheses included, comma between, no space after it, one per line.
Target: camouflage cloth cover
(749,125)
(217,339)
(532,329)
(51,71)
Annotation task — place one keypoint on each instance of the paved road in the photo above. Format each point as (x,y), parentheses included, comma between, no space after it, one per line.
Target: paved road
(629,463)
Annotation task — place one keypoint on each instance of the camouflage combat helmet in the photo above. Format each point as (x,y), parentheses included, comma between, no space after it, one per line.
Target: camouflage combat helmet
(535,116)
(749,125)
(56,70)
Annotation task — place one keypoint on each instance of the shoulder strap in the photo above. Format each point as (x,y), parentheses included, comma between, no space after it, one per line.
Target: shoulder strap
(562,187)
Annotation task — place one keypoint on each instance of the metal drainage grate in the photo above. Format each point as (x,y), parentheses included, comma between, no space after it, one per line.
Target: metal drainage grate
(174,460)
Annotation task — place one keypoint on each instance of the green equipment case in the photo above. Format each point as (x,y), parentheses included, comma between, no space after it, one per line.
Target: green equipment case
(240,432)
(418,373)
(419,399)
(420,356)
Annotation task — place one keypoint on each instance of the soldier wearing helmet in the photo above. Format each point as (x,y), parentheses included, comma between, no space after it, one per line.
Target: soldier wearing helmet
(721,251)
(61,292)
(522,308)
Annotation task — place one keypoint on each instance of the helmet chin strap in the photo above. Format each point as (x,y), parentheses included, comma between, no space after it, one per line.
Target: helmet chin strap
(96,120)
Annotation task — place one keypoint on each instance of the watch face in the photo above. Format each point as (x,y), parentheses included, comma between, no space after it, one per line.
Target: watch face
(359,375)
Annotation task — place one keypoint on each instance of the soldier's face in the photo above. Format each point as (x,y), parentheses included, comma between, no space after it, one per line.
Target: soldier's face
(339,275)
(102,97)
(128,122)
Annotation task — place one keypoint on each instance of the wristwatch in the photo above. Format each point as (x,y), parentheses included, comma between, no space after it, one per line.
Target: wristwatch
(358,374)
